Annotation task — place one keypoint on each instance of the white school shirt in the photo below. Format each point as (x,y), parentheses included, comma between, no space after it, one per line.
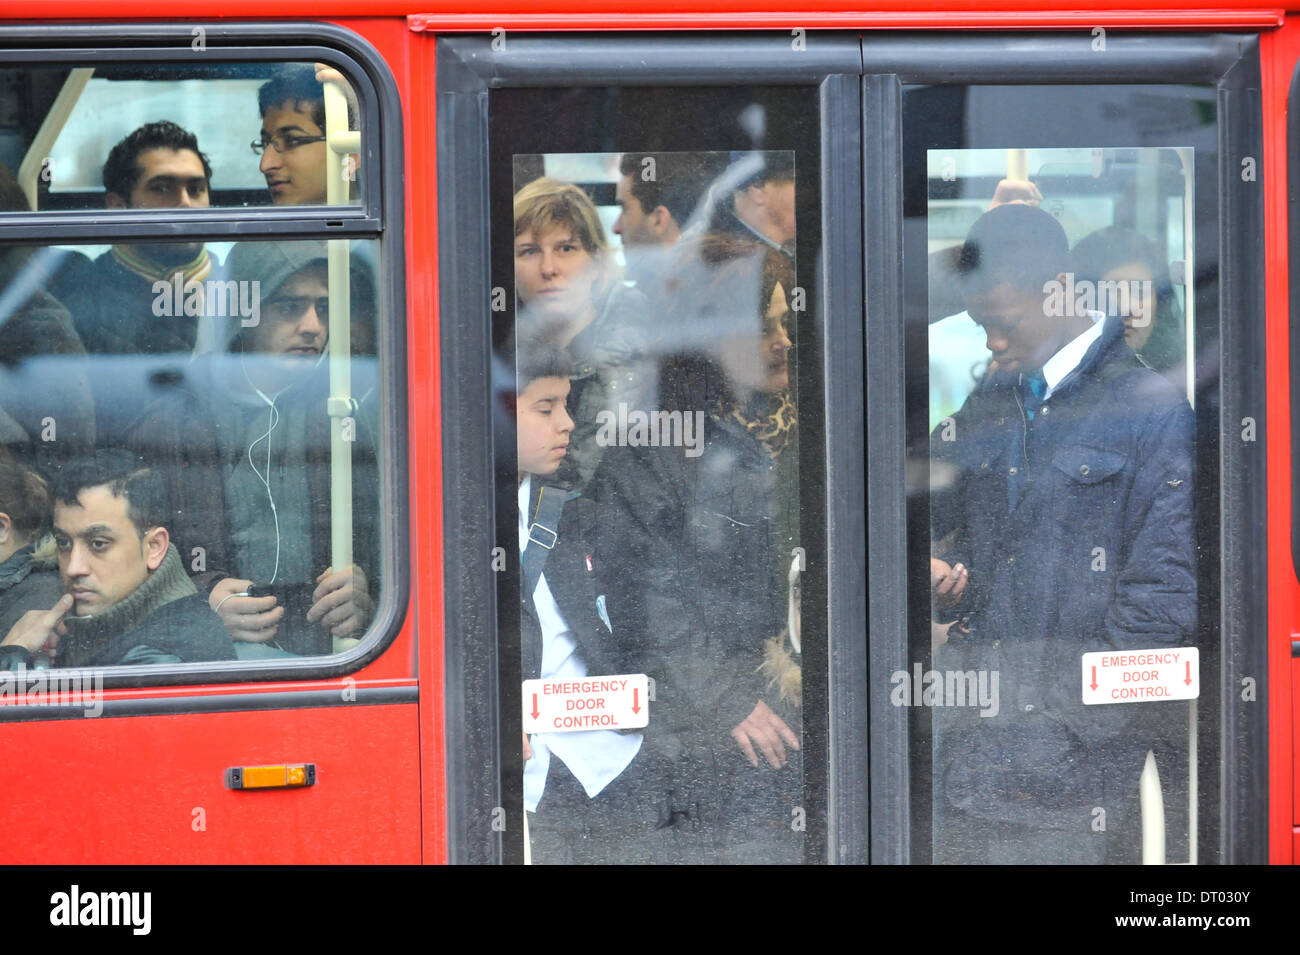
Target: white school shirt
(595,757)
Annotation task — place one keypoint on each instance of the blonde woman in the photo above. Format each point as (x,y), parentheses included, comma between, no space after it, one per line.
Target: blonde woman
(571,293)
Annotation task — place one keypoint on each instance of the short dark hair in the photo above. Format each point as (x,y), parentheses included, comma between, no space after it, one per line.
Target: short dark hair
(122,169)
(24,495)
(680,181)
(296,83)
(1014,244)
(539,357)
(125,475)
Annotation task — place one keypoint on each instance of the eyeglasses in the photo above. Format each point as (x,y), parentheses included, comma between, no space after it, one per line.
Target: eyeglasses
(284,144)
(295,306)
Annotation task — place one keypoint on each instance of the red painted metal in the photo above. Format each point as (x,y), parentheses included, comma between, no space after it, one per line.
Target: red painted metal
(449,15)
(1279,52)
(149,789)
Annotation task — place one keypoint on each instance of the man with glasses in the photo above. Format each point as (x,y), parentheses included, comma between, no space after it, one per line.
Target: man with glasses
(247,442)
(292,141)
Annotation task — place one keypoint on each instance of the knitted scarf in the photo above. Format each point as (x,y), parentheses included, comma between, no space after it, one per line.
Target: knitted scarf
(164,585)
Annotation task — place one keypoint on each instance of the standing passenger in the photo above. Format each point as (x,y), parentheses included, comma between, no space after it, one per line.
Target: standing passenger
(1070,506)
(571,292)
(704,520)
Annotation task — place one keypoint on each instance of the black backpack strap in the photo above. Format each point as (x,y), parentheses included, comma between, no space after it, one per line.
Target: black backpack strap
(543,532)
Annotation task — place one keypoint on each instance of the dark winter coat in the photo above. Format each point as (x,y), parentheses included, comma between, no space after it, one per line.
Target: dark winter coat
(1077,529)
(690,547)
(46,406)
(28,581)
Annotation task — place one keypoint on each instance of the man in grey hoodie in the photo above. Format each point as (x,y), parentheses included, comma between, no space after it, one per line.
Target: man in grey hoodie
(245,440)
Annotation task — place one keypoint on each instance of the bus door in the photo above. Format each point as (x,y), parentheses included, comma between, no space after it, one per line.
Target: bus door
(1017,316)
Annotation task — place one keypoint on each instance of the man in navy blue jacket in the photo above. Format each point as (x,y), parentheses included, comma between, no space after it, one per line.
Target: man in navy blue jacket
(1063,516)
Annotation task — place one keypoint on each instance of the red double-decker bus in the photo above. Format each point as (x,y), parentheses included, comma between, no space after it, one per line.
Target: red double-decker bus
(406,162)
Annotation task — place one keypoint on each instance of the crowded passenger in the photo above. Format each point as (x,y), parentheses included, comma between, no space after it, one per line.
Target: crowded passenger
(46,409)
(1069,505)
(591,795)
(754,199)
(657,194)
(126,597)
(958,358)
(704,522)
(121,302)
(1132,280)
(246,449)
(29,577)
(570,291)
(292,139)
(112,299)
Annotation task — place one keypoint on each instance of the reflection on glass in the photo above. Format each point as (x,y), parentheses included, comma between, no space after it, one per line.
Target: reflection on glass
(1061,506)
(209,382)
(657,437)
(168,136)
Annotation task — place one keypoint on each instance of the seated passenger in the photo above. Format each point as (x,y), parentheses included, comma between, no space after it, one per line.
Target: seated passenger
(158,166)
(569,290)
(133,299)
(246,441)
(46,411)
(292,141)
(127,599)
(29,577)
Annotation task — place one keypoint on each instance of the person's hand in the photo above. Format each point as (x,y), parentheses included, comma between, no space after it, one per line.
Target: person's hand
(328,74)
(947,583)
(1016,192)
(765,730)
(528,750)
(38,630)
(340,602)
(246,619)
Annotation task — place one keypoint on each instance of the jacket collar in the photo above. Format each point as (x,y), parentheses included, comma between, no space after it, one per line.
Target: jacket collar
(1112,334)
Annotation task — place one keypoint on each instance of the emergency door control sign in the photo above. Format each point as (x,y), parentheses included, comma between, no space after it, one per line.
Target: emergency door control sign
(1141,676)
(586,703)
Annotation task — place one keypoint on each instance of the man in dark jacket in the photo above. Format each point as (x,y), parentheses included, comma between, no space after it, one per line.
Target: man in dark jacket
(126,597)
(128,301)
(1062,522)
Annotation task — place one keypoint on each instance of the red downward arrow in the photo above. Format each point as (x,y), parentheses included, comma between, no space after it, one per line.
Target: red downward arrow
(535,713)
(1094,678)
(635,707)
(1188,681)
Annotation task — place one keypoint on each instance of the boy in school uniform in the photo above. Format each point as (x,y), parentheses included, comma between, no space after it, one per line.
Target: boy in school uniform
(588,794)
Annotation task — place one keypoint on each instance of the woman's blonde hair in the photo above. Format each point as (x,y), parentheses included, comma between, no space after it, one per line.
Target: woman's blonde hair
(546,202)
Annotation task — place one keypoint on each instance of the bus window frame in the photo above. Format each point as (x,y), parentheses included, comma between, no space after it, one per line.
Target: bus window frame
(380,218)
(1230,63)
(479,737)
